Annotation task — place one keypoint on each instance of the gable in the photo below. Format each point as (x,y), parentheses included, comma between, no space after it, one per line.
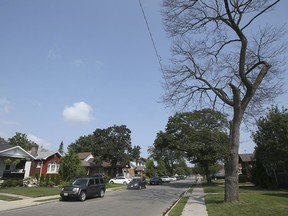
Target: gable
(16,152)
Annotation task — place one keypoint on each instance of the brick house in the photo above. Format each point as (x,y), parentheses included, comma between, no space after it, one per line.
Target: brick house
(45,162)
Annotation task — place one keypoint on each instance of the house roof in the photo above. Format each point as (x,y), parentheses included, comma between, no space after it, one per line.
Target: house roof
(43,154)
(84,155)
(247,157)
(8,150)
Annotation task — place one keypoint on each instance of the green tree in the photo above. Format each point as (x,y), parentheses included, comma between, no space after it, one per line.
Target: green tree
(112,144)
(83,144)
(161,168)
(135,152)
(20,139)
(150,169)
(219,59)
(202,135)
(160,152)
(272,141)
(70,167)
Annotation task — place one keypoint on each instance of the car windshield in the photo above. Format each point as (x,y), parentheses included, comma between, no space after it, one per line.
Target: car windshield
(80,182)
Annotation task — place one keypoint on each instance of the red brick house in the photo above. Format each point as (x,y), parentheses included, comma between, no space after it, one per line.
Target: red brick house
(45,163)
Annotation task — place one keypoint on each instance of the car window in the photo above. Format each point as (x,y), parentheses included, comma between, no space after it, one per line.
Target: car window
(91,182)
(101,181)
(80,182)
(97,181)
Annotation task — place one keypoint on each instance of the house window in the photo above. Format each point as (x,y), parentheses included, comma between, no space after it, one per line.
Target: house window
(38,164)
(52,167)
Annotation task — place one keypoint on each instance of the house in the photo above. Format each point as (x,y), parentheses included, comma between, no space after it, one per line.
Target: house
(15,162)
(246,163)
(137,167)
(128,170)
(45,163)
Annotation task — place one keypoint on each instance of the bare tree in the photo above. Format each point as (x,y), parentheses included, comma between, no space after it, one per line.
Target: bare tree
(220,60)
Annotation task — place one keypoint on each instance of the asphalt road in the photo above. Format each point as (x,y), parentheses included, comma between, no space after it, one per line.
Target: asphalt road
(152,201)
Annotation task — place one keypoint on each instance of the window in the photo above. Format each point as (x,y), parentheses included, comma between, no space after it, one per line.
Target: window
(52,167)
(38,164)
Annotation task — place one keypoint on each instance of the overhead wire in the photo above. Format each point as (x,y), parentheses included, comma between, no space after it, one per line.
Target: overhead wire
(155,48)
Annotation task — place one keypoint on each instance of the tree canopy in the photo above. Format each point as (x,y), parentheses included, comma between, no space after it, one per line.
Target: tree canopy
(271,138)
(112,144)
(201,135)
(20,139)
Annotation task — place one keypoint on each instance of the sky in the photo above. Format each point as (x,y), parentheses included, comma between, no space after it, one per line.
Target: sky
(69,67)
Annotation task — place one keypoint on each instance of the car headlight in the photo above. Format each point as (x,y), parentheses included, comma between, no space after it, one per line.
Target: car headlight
(75,190)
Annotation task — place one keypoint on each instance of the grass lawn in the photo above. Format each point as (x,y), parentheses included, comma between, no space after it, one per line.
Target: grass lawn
(8,198)
(253,201)
(31,191)
(43,191)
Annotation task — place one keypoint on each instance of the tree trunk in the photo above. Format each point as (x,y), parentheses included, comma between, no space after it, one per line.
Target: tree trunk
(207,173)
(231,165)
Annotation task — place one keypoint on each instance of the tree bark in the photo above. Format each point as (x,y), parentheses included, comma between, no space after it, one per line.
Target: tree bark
(231,165)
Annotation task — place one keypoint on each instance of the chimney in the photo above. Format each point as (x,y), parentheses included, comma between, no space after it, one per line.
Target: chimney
(34,149)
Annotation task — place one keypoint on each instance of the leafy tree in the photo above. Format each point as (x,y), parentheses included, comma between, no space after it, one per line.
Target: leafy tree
(182,168)
(112,144)
(272,141)
(135,152)
(161,169)
(20,139)
(150,169)
(83,144)
(220,59)
(202,135)
(70,167)
(160,152)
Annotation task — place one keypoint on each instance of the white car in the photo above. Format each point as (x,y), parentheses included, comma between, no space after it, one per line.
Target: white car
(119,180)
(165,179)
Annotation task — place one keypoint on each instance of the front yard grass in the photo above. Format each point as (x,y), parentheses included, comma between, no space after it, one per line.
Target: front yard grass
(253,201)
(42,191)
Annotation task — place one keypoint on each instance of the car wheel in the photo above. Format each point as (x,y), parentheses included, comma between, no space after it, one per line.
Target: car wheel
(125,183)
(102,193)
(111,182)
(82,196)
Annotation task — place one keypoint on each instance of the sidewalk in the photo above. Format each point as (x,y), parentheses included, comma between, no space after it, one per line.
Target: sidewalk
(196,203)
(25,201)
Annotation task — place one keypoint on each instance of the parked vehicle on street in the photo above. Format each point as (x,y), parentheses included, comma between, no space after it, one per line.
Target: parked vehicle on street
(82,188)
(155,181)
(166,179)
(119,180)
(137,183)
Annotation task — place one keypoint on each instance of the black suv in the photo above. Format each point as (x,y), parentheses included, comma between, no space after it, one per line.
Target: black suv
(82,188)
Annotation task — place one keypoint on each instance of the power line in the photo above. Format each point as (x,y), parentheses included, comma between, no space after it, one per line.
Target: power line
(155,49)
(151,37)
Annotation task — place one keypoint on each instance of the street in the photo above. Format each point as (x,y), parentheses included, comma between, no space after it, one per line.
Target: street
(154,200)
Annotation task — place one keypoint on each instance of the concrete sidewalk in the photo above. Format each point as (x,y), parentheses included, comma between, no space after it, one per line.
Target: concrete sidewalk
(196,203)
(25,201)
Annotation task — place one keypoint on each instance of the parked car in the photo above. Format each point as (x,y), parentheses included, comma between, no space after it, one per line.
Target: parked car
(155,181)
(82,188)
(165,179)
(136,183)
(119,180)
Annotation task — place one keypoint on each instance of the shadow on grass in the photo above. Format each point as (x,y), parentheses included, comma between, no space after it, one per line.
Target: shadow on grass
(284,195)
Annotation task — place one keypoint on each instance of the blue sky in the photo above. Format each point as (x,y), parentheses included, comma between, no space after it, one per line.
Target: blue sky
(69,66)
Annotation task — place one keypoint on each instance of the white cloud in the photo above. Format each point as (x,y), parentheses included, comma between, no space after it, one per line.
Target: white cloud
(80,112)
(41,142)
(5,106)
